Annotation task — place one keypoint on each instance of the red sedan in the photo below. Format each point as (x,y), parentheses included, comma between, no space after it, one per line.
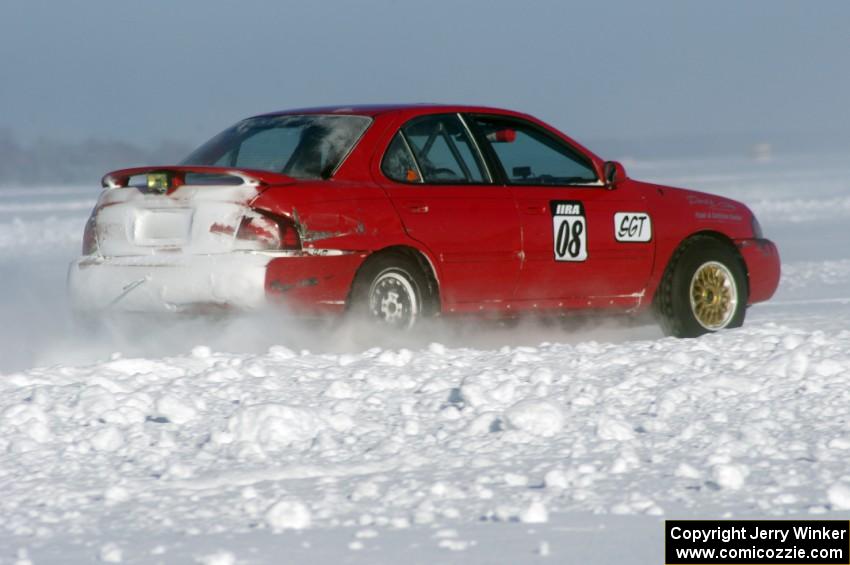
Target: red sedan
(410,211)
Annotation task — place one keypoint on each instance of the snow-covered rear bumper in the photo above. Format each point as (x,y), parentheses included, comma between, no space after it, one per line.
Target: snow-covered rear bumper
(168,284)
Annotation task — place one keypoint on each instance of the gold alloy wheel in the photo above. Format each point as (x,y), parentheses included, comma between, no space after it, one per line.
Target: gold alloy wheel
(714,295)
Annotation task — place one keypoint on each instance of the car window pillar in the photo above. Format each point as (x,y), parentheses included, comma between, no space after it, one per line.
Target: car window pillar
(486,164)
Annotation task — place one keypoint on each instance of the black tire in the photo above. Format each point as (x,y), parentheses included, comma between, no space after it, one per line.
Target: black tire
(691,305)
(391,290)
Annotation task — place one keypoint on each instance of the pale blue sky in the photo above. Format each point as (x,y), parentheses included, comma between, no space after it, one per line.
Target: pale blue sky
(144,71)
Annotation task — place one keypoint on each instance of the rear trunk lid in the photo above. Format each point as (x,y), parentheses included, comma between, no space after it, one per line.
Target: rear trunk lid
(195,210)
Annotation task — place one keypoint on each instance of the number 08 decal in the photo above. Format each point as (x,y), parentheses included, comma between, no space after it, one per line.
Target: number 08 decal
(569,227)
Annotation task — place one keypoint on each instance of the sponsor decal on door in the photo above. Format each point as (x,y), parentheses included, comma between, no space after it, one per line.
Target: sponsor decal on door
(632,226)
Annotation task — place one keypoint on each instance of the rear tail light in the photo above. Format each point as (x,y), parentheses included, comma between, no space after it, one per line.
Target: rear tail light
(267,232)
(89,238)
(258,232)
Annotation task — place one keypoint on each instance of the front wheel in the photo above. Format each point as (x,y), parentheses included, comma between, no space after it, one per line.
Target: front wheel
(703,290)
(392,291)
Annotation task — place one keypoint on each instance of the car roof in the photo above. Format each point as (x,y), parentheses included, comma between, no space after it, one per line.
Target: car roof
(377,109)
(411,110)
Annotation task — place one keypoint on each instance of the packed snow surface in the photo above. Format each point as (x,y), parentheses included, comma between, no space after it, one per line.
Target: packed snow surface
(243,441)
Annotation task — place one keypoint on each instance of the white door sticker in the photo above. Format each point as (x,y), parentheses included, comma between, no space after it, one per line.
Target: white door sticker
(569,230)
(632,226)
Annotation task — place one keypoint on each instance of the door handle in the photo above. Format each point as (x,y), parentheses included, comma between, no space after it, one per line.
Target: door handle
(535,209)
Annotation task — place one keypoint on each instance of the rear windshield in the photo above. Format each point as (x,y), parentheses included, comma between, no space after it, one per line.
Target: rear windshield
(301,146)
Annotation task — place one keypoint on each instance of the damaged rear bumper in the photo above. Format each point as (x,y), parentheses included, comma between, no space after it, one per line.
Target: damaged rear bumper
(168,284)
(313,281)
(305,281)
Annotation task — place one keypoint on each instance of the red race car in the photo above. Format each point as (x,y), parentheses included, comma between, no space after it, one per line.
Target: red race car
(410,211)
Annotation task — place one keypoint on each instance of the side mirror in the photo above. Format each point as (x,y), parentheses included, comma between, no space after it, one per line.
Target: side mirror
(614,174)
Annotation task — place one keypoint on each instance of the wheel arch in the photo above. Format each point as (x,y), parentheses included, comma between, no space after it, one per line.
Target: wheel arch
(420,258)
(712,234)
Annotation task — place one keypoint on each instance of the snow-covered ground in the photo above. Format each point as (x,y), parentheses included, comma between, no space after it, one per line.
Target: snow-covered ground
(259,440)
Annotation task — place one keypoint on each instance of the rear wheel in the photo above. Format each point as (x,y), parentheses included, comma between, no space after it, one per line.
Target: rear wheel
(703,290)
(392,290)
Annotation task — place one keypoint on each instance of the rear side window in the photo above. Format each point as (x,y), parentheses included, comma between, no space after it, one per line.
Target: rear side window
(529,155)
(442,150)
(398,163)
(302,146)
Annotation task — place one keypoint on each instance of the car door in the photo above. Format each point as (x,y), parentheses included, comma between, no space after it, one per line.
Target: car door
(580,240)
(446,198)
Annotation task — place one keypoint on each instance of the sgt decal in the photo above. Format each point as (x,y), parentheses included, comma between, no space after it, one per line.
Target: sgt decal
(632,226)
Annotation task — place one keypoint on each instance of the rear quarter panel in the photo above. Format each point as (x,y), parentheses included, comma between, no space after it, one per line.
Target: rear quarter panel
(340,223)
(345,216)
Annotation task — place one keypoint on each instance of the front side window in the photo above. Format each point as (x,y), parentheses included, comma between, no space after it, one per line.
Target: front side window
(301,146)
(443,151)
(529,155)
